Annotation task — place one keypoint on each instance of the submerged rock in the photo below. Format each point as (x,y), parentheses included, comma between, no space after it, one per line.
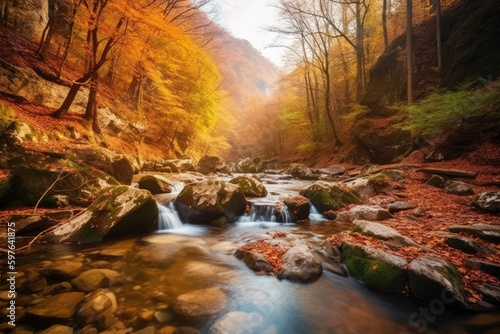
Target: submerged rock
(300,264)
(156,184)
(58,329)
(90,280)
(488,201)
(205,202)
(95,306)
(201,302)
(55,309)
(118,212)
(236,322)
(251,186)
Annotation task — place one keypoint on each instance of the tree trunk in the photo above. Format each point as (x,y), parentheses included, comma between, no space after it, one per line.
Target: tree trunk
(438,35)
(409,49)
(359,53)
(59,113)
(384,23)
(328,106)
(69,38)
(49,28)
(92,101)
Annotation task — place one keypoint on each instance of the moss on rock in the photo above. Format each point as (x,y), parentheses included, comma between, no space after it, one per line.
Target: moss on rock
(251,186)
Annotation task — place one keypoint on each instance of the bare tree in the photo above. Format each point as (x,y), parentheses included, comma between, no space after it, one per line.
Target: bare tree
(409,49)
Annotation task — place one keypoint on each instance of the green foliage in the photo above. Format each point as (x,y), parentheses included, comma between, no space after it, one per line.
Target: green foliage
(7,115)
(356,111)
(448,111)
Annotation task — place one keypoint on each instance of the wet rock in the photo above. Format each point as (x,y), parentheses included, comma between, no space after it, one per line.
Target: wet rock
(209,164)
(382,232)
(298,207)
(458,188)
(486,232)
(301,172)
(326,196)
(204,202)
(156,184)
(235,323)
(37,286)
(300,264)
(63,270)
(58,329)
(250,186)
(90,280)
(488,201)
(129,313)
(462,243)
(247,165)
(106,321)
(162,317)
(436,181)
(57,288)
(146,316)
(166,330)
(400,206)
(254,260)
(200,303)
(488,267)
(96,305)
(55,309)
(369,212)
(375,268)
(23,329)
(491,293)
(163,250)
(434,278)
(118,212)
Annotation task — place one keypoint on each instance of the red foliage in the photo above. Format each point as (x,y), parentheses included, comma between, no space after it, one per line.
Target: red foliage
(272,253)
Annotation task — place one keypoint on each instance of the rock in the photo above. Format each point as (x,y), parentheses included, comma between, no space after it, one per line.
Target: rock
(26,224)
(458,188)
(382,232)
(466,245)
(333,170)
(434,278)
(488,267)
(246,165)
(90,280)
(375,268)
(156,184)
(57,288)
(37,286)
(272,164)
(147,330)
(394,174)
(369,169)
(254,260)
(57,201)
(325,196)
(488,201)
(106,321)
(58,329)
(491,293)
(300,264)
(250,186)
(201,302)
(486,232)
(400,206)
(162,317)
(63,270)
(443,153)
(236,322)
(163,250)
(362,186)
(436,181)
(301,172)
(118,212)
(204,202)
(209,164)
(95,306)
(298,207)
(122,169)
(117,165)
(369,212)
(146,316)
(55,309)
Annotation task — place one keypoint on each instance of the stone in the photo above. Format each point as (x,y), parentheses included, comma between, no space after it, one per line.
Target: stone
(458,188)
(123,170)
(90,280)
(436,181)
(362,187)
(97,304)
(206,201)
(58,329)
(394,174)
(369,212)
(298,207)
(434,278)
(272,164)
(488,267)
(156,184)
(486,232)
(55,309)
(250,186)
(209,164)
(375,268)
(488,201)
(63,270)
(326,196)
(129,313)
(118,212)
(400,206)
(146,316)
(300,264)
(491,293)
(106,321)
(201,302)
(464,244)
(246,165)
(57,288)
(301,172)
(57,201)
(37,286)
(382,232)
(167,330)
(162,317)
(26,224)
(254,260)
(147,330)
(236,322)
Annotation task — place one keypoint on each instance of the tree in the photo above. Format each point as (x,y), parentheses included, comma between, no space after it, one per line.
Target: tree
(437,8)
(409,49)
(384,23)
(48,31)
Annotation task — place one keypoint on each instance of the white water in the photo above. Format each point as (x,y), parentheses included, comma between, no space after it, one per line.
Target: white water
(265,212)
(168,217)
(177,187)
(314,215)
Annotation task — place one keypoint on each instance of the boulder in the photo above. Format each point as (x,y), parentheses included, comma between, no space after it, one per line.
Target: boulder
(464,244)
(434,278)
(246,165)
(300,264)
(251,186)
(123,171)
(117,165)
(436,181)
(95,306)
(55,309)
(236,322)
(369,212)
(301,172)
(272,164)
(118,212)
(325,196)
(35,12)
(486,232)
(255,261)
(490,268)
(201,302)
(209,164)
(458,188)
(491,293)
(298,207)
(156,184)
(375,268)
(488,201)
(382,232)
(362,186)
(27,224)
(204,202)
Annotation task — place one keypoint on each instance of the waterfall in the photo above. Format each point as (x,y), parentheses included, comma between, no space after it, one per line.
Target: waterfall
(177,187)
(314,214)
(265,212)
(168,218)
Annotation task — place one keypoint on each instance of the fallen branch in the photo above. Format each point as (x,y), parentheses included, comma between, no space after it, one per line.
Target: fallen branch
(450,172)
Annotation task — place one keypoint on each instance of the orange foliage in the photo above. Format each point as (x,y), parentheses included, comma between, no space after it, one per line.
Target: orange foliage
(272,253)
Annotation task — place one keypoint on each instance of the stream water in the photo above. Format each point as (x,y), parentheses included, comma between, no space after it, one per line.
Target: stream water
(332,304)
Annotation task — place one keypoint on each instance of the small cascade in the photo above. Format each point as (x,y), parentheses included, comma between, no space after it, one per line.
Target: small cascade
(265,212)
(168,217)
(314,214)
(177,187)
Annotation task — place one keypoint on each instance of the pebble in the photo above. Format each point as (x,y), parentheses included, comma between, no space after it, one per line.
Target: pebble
(137,288)
(146,315)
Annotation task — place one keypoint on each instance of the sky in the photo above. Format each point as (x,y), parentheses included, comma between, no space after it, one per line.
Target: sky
(247,19)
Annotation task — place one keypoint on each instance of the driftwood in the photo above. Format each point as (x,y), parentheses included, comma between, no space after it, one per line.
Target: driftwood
(450,172)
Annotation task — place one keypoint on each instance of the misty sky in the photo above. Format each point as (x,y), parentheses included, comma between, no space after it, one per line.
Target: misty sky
(247,19)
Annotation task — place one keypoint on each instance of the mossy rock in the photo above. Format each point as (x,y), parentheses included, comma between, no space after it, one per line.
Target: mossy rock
(155,184)
(119,211)
(6,190)
(326,197)
(251,186)
(375,268)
